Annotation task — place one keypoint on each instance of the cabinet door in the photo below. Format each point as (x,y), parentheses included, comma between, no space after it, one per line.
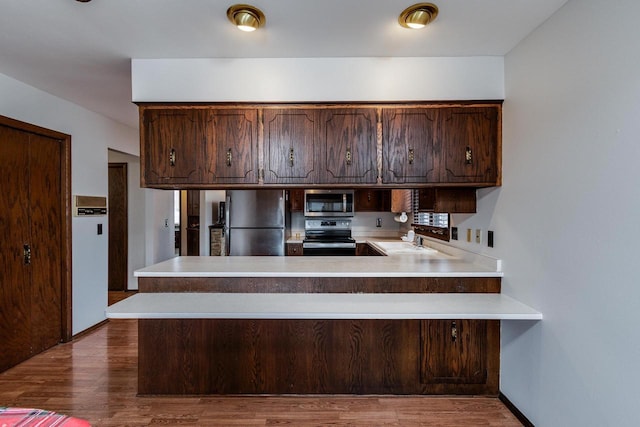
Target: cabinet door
(231,141)
(454,351)
(349,143)
(470,145)
(450,200)
(294,249)
(363,249)
(368,200)
(290,155)
(296,200)
(172,147)
(409,145)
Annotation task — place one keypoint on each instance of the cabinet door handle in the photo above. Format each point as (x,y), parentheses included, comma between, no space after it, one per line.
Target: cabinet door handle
(229,157)
(26,252)
(468,156)
(454,332)
(411,156)
(172,157)
(291,157)
(348,156)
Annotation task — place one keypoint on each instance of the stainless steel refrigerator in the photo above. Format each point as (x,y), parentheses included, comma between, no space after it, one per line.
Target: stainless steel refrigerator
(256,222)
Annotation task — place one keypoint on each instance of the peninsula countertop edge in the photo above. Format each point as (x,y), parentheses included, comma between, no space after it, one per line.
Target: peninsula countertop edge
(326,266)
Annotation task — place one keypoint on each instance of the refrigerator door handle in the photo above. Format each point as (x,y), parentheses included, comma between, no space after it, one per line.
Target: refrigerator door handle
(227,225)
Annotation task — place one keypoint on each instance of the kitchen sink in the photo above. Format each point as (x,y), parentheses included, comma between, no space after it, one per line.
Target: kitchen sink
(405,248)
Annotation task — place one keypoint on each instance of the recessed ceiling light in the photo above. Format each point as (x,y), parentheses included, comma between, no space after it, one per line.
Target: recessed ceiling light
(418,15)
(246,17)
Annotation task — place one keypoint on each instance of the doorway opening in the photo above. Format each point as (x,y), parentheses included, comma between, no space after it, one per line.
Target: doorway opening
(118,229)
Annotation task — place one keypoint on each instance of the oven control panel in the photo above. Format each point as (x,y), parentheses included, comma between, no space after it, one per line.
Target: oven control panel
(327,224)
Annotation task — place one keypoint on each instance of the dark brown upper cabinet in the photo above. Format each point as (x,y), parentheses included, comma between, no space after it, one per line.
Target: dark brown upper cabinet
(290,153)
(361,145)
(171,147)
(349,146)
(409,145)
(372,200)
(449,200)
(296,200)
(469,145)
(231,145)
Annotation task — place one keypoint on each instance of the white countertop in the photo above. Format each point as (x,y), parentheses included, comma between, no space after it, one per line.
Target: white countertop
(320,266)
(320,306)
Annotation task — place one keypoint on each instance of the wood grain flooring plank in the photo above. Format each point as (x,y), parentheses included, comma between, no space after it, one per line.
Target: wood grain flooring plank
(95,378)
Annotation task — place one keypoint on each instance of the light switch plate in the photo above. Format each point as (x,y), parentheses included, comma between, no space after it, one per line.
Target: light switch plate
(469,235)
(478,235)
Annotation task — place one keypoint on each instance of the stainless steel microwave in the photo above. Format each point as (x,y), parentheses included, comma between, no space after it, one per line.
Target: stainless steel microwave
(328,203)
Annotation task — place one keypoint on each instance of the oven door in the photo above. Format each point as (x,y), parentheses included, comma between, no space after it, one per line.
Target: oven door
(328,249)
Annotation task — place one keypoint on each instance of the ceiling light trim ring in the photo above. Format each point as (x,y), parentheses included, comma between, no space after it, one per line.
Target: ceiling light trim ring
(246,17)
(418,16)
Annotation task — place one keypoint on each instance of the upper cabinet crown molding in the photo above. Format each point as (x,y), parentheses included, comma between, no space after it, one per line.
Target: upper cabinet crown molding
(381,145)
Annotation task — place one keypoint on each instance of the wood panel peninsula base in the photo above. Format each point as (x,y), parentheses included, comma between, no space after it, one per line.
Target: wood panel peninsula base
(345,325)
(318,356)
(275,356)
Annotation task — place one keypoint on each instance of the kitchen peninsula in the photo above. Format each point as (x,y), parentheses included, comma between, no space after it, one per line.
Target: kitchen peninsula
(271,325)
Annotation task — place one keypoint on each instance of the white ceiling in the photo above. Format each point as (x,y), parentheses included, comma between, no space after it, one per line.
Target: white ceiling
(82,51)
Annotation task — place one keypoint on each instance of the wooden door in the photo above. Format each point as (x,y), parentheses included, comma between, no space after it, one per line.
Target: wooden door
(470,145)
(409,145)
(118,230)
(45,212)
(348,138)
(231,146)
(290,155)
(172,147)
(15,289)
(35,291)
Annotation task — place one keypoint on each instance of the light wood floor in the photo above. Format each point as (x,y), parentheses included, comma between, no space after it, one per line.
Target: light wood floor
(94,377)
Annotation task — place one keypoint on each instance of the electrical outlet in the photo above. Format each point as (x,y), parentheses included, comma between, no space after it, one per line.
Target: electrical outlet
(478,235)
(490,238)
(454,233)
(469,235)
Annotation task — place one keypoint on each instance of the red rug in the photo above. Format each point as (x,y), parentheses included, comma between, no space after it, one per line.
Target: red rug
(23,417)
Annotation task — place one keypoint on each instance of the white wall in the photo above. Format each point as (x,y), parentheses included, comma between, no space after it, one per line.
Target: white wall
(566,218)
(159,226)
(91,135)
(317,79)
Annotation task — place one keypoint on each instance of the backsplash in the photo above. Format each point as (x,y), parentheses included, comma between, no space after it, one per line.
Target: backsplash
(364,224)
